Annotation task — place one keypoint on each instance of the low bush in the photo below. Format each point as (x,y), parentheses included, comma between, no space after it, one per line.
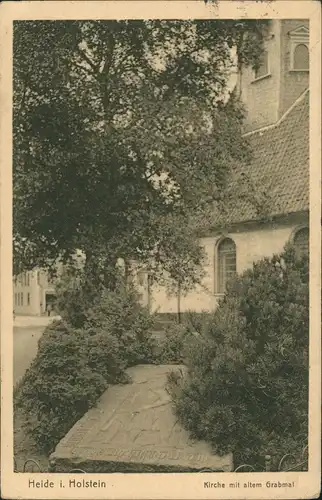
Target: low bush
(196,321)
(71,370)
(171,347)
(247,386)
(119,314)
(176,344)
(115,312)
(71,302)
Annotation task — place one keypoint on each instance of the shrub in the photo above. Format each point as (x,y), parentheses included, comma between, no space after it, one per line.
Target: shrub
(115,312)
(178,341)
(247,385)
(172,345)
(71,370)
(75,295)
(196,321)
(119,314)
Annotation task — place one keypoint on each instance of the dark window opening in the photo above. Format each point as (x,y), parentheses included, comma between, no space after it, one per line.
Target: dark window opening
(226,263)
(262,69)
(301,242)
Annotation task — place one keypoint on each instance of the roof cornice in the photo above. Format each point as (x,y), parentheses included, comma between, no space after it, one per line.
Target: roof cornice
(256,223)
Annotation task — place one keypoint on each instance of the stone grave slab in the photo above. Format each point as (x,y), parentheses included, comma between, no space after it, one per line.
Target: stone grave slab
(133,429)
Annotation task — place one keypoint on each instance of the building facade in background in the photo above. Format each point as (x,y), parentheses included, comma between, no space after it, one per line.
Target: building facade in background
(33,291)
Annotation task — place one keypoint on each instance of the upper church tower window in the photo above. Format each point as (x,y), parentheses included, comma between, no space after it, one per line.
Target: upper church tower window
(299,49)
(301,57)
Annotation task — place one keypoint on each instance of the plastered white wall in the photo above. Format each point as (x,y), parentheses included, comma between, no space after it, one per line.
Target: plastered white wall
(251,246)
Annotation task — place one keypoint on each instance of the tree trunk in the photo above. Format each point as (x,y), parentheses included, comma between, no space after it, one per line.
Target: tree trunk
(179,303)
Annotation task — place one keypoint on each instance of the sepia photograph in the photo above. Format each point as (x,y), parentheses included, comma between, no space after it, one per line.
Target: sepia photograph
(161,269)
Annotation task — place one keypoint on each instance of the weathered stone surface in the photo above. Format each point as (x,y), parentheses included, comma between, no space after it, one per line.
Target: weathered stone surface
(133,429)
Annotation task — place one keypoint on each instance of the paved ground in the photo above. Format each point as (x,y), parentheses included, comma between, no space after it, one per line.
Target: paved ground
(27,331)
(133,429)
(30,321)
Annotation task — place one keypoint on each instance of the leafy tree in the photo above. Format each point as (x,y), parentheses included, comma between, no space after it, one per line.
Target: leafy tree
(123,133)
(247,388)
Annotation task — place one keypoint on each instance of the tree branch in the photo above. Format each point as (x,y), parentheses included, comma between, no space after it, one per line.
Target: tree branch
(88,71)
(87,59)
(103,76)
(109,57)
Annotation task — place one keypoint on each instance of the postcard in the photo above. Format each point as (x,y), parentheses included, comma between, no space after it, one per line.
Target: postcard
(160,249)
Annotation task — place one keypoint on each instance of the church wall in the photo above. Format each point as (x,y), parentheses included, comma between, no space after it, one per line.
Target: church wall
(201,298)
(261,96)
(251,246)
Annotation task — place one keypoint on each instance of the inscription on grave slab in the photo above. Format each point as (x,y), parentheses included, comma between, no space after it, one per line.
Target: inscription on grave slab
(135,424)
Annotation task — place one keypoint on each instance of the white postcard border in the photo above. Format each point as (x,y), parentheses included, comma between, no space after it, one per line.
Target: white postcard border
(160,486)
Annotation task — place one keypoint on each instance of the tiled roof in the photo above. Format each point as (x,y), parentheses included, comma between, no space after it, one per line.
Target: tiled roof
(276,181)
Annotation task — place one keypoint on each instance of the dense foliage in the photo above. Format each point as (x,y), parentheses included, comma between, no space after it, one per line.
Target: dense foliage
(122,131)
(118,312)
(172,346)
(247,388)
(71,370)
(180,338)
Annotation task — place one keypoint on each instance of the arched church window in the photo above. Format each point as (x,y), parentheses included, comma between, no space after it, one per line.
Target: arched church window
(226,263)
(299,48)
(301,57)
(301,241)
